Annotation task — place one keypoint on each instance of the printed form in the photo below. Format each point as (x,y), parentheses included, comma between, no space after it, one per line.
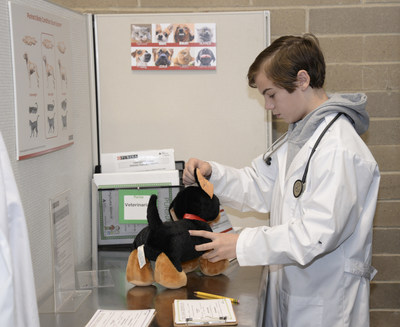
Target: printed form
(121,318)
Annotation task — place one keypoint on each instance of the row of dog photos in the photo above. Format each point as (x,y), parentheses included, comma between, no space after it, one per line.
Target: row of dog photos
(174,58)
(173,34)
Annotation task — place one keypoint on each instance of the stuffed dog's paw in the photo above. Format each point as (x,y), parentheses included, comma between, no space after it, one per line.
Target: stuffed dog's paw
(213,268)
(191,265)
(166,274)
(136,275)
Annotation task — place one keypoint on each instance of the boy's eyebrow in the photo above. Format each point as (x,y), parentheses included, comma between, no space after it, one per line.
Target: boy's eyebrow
(266,90)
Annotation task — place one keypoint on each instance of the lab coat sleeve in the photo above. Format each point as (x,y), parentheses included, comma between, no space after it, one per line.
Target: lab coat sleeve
(246,189)
(339,192)
(18,306)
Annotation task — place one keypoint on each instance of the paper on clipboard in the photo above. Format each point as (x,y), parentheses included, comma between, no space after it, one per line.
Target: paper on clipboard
(208,312)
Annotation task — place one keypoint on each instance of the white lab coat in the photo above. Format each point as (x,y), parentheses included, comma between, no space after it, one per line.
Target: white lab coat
(319,245)
(18,306)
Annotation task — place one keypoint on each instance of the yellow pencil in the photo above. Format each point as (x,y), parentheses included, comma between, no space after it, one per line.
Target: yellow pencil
(203,295)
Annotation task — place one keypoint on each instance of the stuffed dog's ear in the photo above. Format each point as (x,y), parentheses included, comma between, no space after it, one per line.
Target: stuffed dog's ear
(205,185)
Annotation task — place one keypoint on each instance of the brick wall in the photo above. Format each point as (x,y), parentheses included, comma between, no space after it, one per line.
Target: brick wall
(361,41)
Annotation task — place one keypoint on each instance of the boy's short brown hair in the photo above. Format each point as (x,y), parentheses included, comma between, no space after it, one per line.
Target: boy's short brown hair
(285,57)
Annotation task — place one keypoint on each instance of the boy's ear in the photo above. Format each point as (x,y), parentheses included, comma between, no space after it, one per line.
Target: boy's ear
(303,79)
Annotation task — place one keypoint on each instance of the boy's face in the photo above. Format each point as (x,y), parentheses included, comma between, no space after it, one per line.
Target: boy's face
(287,106)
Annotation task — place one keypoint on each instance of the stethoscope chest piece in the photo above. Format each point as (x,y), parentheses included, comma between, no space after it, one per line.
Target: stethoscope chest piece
(298,188)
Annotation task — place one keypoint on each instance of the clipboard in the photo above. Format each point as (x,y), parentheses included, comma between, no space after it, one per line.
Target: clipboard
(217,306)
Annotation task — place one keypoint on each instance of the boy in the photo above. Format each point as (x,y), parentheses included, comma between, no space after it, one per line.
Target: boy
(320,185)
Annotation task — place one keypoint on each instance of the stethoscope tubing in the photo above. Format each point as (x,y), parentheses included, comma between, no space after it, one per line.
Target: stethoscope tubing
(303,180)
(298,186)
(278,143)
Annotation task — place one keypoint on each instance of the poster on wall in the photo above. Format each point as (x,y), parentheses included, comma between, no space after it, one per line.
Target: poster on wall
(42,62)
(173,46)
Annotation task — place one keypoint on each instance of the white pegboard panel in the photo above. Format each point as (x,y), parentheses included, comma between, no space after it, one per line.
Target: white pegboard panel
(40,179)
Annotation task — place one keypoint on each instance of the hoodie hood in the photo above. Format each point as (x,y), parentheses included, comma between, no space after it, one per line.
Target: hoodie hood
(351,104)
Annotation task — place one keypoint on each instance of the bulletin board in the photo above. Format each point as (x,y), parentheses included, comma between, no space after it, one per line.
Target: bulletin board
(210,114)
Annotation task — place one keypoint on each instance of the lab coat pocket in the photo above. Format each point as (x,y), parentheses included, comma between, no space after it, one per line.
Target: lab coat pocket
(300,311)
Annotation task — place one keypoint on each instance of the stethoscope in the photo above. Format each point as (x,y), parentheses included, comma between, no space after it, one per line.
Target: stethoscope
(298,186)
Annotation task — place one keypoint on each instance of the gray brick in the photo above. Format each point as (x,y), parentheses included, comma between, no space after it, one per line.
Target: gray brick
(342,49)
(385,296)
(387,214)
(388,267)
(383,132)
(387,157)
(386,318)
(383,104)
(386,241)
(355,20)
(385,77)
(381,48)
(288,21)
(389,188)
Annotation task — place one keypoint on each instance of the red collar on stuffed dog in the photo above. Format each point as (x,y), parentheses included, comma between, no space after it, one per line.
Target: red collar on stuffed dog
(193,217)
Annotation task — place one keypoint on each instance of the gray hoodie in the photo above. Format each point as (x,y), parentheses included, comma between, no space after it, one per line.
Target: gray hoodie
(351,104)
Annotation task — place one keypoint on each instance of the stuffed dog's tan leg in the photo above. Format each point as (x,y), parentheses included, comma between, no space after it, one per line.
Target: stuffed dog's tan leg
(166,274)
(213,268)
(137,276)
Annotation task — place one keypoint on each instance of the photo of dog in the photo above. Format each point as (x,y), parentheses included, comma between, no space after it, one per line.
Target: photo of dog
(205,57)
(184,58)
(142,57)
(162,56)
(162,33)
(205,34)
(141,34)
(184,33)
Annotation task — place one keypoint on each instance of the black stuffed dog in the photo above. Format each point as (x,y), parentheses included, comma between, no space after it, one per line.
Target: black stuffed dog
(169,243)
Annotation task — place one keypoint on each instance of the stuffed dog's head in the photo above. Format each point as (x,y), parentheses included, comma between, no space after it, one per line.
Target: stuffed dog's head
(205,57)
(162,35)
(196,200)
(183,33)
(141,56)
(162,56)
(205,34)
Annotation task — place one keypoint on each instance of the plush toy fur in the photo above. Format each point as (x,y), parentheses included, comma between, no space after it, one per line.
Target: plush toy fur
(170,245)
